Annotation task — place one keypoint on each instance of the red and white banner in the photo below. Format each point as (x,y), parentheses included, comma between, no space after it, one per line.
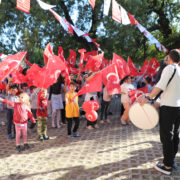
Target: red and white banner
(18,77)
(47,53)
(152,67)
(72,58)
(107,4)
(122,66)
(116,13)
(132,68)
(10,63)
(134,94)
(65,24)
(92,3)
(144,67)
(23,5)
(45,6)
(111,79)
(81,51)
(94,63)
(88,54)
(133,20)
(125,17)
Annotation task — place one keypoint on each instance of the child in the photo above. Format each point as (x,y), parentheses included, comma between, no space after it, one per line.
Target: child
(105,103)
(2,106)
(42,115)
(22,112)
(11,96)
(33,100)
(72,111)
(147,81)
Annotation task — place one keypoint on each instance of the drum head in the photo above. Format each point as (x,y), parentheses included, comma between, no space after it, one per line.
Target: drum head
(143,117)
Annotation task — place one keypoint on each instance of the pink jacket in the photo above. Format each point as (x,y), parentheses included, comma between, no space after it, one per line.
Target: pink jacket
(21,112)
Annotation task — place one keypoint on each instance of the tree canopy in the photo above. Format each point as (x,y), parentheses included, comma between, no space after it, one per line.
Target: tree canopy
(31,32)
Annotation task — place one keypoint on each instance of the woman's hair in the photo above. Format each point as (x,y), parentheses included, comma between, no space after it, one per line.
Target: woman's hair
(26,99)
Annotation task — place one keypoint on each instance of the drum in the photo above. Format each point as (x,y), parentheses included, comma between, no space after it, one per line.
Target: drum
(143,117)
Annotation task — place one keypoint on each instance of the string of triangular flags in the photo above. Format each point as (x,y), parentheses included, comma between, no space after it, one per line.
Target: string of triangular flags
(119,14)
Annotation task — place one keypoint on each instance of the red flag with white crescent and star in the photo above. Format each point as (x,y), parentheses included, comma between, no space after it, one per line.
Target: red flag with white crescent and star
(72,58)
(135,93)
(10,63)
(110,79)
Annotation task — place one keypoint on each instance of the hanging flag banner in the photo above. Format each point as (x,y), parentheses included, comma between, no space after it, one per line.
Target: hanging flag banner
(23,5)
(78,31)
(92,3)
(66,25)
(116,13)
(125,17)
(45,6)
(132,19)
(107,4)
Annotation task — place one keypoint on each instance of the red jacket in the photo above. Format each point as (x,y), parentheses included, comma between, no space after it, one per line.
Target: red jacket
(42,106)
(21,112)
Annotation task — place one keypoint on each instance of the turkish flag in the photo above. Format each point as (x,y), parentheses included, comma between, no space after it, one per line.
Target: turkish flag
(81,51)
(73,70)
(94,62)
(133,20)
(18,77)
(105,62)
(28,63)
(111,79)
(33,74)
(88,54)
(144,67)
(72,58)
(134,94)
(47,53)
(116,13)
(152,67)
(61,53)
(92,3)
(94,85)
(2,86)
(10,63)
(122,66)
(23,5)
(132,68)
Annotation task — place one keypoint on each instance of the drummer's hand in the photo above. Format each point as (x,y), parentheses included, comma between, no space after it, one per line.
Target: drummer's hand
(142,100)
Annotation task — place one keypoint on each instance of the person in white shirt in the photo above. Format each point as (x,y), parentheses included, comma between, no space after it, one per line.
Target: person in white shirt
(169,111)
(125,99)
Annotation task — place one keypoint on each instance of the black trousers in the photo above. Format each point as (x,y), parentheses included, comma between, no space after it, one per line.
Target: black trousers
(69,126)
(63,113)
(10,124)
(104,107)
(169,133)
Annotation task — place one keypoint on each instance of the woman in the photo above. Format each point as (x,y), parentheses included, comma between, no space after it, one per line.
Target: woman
(125,99)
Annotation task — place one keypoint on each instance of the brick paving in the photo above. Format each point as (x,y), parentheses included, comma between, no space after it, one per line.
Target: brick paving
(111,152)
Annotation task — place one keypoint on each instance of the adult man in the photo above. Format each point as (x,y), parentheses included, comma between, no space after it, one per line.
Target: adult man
(169,111)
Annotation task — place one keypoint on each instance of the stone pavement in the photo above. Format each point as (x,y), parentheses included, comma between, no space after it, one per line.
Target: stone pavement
(111,152)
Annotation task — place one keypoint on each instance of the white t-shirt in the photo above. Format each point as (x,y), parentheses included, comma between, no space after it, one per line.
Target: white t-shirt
(171,94)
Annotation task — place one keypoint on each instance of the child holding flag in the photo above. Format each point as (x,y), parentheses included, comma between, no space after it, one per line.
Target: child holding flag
(42,115)
(72,110)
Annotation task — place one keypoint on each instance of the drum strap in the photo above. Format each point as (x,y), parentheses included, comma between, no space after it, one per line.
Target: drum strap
(159,94)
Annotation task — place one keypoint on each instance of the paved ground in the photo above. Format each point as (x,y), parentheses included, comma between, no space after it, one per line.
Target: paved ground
(110,152)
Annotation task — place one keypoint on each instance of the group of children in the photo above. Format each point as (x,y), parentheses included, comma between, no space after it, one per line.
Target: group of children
(31,104)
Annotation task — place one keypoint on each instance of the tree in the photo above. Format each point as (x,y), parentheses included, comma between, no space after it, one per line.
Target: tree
(20,31)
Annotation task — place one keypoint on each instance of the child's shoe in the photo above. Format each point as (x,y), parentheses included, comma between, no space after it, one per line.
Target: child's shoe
(10,136)
(76,134)
(89,127)
(108,121)
(96,126)
(41,138)
(45,137)
(26,146)
(72,137)
(18,148)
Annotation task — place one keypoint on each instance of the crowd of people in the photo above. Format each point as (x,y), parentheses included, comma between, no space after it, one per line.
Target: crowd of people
(30,107)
